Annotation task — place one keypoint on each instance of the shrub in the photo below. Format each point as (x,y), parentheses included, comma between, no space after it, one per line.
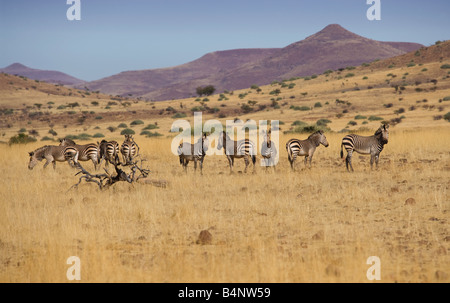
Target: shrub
(149,134)
(447,116)
(298,122)
(179,115)
(61,107)
(137,122)
(98,135)
(122,125)
(98,118)
(318,104)
(45,138)
(375,118)
(447,98)
(111,128)
(150,126)
(21,139)
(349,75)
(360,117)
(301,108)
(52,132)
(127,131)
(445,66)
(94,103)
(22,130)
(323,122)
(353,123)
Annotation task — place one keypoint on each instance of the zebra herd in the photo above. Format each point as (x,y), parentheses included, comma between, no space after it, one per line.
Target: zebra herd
(109,151)
(246,149)
(69,151)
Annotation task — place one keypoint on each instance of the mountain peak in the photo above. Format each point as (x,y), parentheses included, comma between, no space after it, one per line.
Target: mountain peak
(15,66)
(334,32)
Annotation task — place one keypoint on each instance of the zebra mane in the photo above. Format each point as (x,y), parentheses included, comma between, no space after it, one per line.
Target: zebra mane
(315,133)
(70,141)
(39,153)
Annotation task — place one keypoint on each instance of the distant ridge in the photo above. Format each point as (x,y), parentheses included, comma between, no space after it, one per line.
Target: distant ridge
(331,48)
(41,75)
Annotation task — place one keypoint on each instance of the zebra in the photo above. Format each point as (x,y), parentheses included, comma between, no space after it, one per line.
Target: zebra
(109,150)
(269,151)
(129,149)
(52,153)
(372,145)
(188,152)
(85,152)
(244,148)
(305,148)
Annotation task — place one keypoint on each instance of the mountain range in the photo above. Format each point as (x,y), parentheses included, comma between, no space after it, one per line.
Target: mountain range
(331,48)
(41,75)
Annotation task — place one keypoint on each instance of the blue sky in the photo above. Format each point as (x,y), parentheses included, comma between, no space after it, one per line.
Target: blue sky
(118,35)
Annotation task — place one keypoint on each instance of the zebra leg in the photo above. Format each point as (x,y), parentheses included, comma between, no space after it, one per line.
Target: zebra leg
(247,162)
(54,164)
(231,162)
(310,161)
(348,160)
(372,158)
(195,165)
(201,167)
(377,157)
(306,160)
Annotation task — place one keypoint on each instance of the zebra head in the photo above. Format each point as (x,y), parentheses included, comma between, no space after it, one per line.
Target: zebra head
(222,138)
(66,142)
(323,139)
(33,160)
(205,142)
(319,138)
(383,133)
(129,138)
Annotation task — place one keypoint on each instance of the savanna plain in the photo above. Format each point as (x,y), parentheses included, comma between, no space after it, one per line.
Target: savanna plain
(317,224)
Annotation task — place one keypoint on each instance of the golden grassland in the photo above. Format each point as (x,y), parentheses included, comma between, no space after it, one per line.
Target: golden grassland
(312,225)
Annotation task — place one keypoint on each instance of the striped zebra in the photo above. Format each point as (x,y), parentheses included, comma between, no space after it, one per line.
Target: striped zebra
(372,145)
(244,148)
(196,152)
(109,150)
(129,149)
(52,153)
(268,151)
(85,152)
(305,148)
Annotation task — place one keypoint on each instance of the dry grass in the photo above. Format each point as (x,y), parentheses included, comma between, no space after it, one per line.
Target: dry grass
(317,225)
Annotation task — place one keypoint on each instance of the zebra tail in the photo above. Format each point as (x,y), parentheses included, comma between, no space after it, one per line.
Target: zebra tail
(253,159)
(342,152)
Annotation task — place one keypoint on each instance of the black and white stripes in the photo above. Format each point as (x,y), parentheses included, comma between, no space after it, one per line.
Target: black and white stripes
(372,145)
(129,149)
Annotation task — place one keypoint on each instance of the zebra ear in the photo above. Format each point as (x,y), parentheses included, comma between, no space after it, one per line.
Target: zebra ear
(31,154)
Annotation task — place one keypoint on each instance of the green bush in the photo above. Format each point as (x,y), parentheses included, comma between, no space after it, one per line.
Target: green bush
(111,128)
(375,118)
(22,130)
(98,118)
(21,139)
(447,98)
(323,122)
(298,123)
(150,126)
(122,125)
(318,104)
(353,123)
(137,122)
(45,138)
(301,108)
(447,116)
(149,134)
(98,135)
(360,117)
(349,75)
(127,131)
(445,66)
(179,115)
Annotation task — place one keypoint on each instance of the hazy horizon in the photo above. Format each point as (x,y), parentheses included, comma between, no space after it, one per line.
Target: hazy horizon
(115,36)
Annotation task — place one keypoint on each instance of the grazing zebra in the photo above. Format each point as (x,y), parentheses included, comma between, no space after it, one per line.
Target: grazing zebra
(188,152)
(85,152)
(129,149)
(269,151)
(52,153)
(244,148)
(109,151)
(372,145)
(305,148)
